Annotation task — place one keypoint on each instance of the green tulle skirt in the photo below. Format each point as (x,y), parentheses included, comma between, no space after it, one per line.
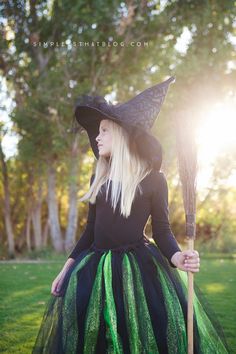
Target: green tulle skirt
(126,301)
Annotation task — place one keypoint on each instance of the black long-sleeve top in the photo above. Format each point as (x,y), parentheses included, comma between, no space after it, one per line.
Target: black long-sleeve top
(108,229)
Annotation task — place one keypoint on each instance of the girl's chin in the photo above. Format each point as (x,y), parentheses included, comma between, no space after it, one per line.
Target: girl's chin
(104,154)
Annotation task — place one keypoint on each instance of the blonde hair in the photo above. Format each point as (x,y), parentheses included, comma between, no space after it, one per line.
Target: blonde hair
(124,167)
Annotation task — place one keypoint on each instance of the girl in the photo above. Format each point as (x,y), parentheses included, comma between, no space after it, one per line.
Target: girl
(120,292)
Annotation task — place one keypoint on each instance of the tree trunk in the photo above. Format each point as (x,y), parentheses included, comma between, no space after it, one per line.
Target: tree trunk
(73,204)
(28,236)
(36,218)
(45,233)
(54,224)
(7,207)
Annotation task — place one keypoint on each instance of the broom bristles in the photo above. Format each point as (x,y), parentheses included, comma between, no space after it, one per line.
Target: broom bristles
(188,167)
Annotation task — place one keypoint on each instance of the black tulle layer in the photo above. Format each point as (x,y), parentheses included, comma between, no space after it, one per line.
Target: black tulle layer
(126,301)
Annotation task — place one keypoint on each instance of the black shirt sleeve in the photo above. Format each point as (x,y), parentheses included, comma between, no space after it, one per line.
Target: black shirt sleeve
(161,230)
(87,236)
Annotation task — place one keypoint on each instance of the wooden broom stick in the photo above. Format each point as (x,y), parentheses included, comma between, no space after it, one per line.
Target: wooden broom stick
(187,163)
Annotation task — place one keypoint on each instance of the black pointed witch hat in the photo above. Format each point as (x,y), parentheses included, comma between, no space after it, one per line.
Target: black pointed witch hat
(137,116)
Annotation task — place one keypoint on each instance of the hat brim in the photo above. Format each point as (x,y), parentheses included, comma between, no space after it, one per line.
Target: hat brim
(148,146)
(89,118)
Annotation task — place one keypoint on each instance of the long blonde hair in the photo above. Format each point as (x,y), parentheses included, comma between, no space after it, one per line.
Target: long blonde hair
(124,167)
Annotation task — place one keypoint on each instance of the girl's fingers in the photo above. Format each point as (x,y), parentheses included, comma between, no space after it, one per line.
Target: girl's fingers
(192,264)
(192,261)
(55,293)
(52,289)
(58,287)
(194,268)
(55,288)
(196,252)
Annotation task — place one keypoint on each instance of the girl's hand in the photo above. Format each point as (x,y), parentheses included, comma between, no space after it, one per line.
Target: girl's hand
(186,260)
(57,283)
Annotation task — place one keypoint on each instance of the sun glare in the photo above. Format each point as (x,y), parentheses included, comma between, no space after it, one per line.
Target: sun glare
(216,134)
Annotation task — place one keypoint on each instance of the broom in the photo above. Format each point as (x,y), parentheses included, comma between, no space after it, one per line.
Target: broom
(187,164)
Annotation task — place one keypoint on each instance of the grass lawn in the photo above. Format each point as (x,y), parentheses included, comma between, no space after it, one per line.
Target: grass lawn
(25,288)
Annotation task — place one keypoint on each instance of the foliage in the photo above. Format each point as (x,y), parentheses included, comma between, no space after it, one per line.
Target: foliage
(45,81)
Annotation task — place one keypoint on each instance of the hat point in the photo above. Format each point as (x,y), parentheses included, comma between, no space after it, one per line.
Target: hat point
(171,79)
(136,115)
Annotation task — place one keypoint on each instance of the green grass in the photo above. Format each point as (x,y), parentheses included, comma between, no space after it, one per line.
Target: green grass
(217,280)
(25,289)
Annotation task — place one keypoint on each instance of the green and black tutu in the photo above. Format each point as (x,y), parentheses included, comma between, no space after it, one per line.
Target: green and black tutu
(126,300)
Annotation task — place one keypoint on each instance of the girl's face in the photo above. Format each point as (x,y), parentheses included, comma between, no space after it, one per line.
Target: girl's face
(104,138)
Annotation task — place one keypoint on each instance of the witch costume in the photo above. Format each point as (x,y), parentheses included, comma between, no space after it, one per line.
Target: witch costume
(123,294)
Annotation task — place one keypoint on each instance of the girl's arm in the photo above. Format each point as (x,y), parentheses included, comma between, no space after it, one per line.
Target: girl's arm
(87,236)
(184,260)
(162,233)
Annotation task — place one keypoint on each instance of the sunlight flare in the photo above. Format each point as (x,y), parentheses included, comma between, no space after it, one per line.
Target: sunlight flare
(215,135)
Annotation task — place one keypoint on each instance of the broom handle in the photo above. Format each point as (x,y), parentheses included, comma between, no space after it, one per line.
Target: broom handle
(190,302)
